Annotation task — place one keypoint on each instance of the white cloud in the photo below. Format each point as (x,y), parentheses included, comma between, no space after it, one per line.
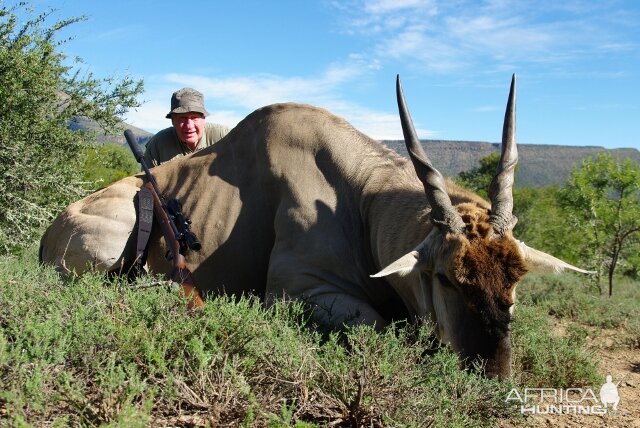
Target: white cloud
(151,115)
(380,17)
(229,100)
(417,48)
(444,36)
(378,125)
(229,118)
(487,108)
(254,91)
(375,7)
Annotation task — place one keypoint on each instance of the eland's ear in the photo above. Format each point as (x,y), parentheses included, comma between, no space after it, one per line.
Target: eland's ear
(540,261)
(403,266)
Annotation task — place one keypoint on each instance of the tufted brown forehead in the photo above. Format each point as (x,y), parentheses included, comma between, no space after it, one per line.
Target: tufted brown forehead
(486,263)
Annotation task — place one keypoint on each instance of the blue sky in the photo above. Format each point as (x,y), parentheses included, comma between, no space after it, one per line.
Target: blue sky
(577,62)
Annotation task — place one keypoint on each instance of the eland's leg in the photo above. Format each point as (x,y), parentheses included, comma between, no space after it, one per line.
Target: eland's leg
(334,302)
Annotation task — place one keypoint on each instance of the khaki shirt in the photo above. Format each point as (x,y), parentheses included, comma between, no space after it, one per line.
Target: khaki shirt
(165,146)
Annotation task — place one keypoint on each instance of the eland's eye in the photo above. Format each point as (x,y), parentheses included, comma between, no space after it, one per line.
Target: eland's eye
(444,280)
(504,306)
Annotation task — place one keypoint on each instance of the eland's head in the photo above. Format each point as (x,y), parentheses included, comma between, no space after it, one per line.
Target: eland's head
(470,264)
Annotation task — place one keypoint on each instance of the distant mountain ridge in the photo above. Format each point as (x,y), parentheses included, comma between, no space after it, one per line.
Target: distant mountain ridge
(539,165)
(86,124)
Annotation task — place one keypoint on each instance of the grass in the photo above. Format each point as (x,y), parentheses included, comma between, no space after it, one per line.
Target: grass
(544,359)
(93,352)
(573,298)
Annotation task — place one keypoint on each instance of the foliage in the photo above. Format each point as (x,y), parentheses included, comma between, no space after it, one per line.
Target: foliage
(40,158)
(544,224)
(545,359)
(541,218)
(90,352)
(106,163)
(592,224)
(478,179)
(568,297)
(632,258)
(603,197)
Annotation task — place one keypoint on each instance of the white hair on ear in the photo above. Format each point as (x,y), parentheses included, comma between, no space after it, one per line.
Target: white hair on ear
(422,256)
(403,266)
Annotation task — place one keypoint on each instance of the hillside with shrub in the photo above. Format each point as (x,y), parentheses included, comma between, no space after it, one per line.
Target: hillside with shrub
(538,165)
(115,136)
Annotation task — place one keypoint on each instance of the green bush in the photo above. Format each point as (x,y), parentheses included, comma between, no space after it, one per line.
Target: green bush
(41,160)
(90,351)
(574,298)
(93,351)
(478,179)
(106,163)
(543,359)
(603,198)
(541,221)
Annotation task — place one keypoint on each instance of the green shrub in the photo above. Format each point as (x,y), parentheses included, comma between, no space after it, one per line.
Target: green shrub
(543,359)
(573,298)
(40,158)
(90,351)
(93,351)
(106,163)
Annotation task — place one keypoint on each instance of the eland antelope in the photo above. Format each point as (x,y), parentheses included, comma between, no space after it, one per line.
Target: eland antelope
(294,202)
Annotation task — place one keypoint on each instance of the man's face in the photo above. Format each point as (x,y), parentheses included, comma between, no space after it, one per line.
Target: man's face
(189,127)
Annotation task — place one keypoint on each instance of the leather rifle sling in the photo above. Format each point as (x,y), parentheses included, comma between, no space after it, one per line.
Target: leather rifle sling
(145,223)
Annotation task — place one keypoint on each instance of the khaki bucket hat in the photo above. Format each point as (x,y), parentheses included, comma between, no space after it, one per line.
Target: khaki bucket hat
(186,100)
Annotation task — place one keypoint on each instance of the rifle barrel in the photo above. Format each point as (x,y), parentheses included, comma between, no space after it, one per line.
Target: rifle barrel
(137,153)
(133,145)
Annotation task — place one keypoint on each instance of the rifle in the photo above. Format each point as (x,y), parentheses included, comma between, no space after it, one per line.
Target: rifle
(175,229)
